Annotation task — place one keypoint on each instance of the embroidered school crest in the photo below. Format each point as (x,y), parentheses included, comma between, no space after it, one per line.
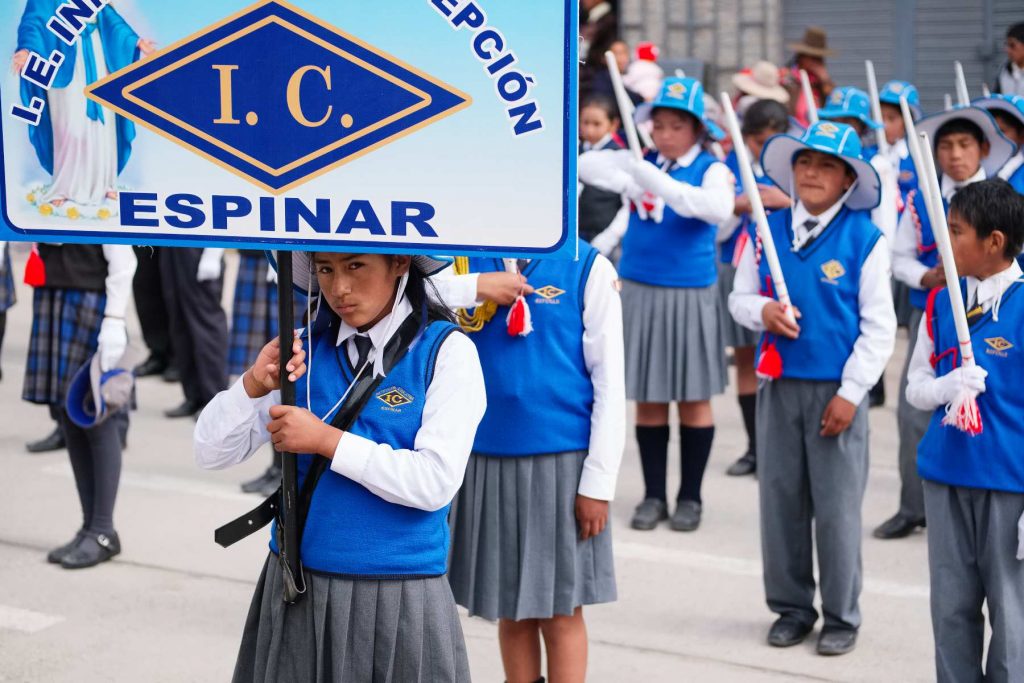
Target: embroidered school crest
(677,90)
(549,294)
(394,398)
(833,270)
(837,97)
(998,346)
(829,130)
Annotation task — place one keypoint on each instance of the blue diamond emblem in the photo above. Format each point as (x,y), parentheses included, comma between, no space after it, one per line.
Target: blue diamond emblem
(277,96)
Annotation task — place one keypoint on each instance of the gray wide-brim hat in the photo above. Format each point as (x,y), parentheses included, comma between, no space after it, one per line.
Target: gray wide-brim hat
(1000,147)
(304,277)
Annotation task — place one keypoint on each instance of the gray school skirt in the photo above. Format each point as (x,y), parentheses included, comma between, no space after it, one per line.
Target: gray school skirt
(733,334)
(352,630)
(674,349)
(516,552)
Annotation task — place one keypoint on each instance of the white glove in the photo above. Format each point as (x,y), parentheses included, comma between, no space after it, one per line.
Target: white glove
(271,275)
(648,205)
(113,341)
(948,387)
(209,265)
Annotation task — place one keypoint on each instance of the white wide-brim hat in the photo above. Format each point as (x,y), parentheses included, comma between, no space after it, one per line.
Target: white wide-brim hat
(304,276)
(1000,147)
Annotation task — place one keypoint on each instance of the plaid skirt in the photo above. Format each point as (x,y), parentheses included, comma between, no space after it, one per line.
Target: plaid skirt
(65,327)
(254,312)
(7,292)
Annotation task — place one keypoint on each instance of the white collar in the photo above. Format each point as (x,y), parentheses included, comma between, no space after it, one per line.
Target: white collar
(599,144)
(377,332)
(801,215)
(1016,71)
(1011,166)
(900,149)
(684,161)
(598,12)
(989,292)
(950,186)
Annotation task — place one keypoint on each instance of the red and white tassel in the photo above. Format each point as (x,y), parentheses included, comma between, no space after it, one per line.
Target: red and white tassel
(35,269)
(963,413)
(519,320)
(769,365)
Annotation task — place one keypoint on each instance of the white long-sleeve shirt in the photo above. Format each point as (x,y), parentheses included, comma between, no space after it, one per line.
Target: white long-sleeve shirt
(604,355)
(877,339)
(121,264)
(427,477)
(905,266)
(712,201)
(922,392)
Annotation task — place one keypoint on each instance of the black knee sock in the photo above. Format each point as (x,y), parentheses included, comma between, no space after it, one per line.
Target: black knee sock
(653,443)
(694,450)
(748,406)
(96,460)
(81,466)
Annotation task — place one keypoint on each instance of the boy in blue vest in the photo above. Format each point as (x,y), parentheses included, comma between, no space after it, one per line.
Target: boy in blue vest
(1008,111)
(812,423)
(974,485)
(896,134)
(968,148)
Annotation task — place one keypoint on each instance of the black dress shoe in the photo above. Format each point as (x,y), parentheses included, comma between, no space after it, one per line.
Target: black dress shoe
(744,466)
(266,483)
(52,442)
(897,526)
(648,513)
(787,632)
(686,517)
(91,550)
(171,375)
(186,409)
(154,365)
(57,554)
(836,641)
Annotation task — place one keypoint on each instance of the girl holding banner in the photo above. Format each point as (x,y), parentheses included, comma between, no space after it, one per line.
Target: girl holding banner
(380,461)
(812,430)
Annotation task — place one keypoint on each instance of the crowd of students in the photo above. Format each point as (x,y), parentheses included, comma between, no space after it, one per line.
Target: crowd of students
(478,467)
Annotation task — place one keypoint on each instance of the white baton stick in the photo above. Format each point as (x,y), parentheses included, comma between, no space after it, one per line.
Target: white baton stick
(625,106)
(962,96)
(876,108)
(757,207)
(812,105)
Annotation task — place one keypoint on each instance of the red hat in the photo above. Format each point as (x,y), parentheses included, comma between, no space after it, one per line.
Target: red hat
(647,52)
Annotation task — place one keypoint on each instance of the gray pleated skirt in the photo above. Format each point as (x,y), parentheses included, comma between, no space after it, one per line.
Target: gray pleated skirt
(674,349)
(733,334)
(359,631)
(516,552)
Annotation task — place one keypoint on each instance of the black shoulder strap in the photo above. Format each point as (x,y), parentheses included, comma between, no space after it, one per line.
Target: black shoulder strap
(363,388)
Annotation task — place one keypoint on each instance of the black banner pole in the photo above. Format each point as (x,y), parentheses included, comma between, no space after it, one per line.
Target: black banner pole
(288,536)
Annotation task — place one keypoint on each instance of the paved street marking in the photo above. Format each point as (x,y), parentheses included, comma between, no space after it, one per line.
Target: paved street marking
(15,619)
(738,566)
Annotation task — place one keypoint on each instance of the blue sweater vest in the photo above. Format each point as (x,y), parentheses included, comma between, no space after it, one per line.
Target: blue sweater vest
(349,530)
(907,178)
(1017,179)
(927,251)
(994,459)
(728,248)
(679,251)
(539,392)
(824,283)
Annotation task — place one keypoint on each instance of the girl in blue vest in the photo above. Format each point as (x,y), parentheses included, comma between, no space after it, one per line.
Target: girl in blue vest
(674,350)
(762,120)
(1008,111)
(375,545)
(968,148)
(530,544)
(974,485)
(812,428)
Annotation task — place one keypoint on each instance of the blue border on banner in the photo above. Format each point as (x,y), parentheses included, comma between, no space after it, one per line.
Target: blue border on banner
(565,247)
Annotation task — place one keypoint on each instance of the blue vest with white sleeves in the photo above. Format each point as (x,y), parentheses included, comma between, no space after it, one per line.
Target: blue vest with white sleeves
(993,459)
(539,393)
(349,530)
(927,250)
(727,250)
(823,279)
(679,251)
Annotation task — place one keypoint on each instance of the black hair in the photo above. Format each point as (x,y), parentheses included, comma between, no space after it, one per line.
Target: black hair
(1016,32)
(765,115)
(850,171)
(604,103)
(959,125)
(422,293)
(682,113)
(991,205)
(1007,117)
